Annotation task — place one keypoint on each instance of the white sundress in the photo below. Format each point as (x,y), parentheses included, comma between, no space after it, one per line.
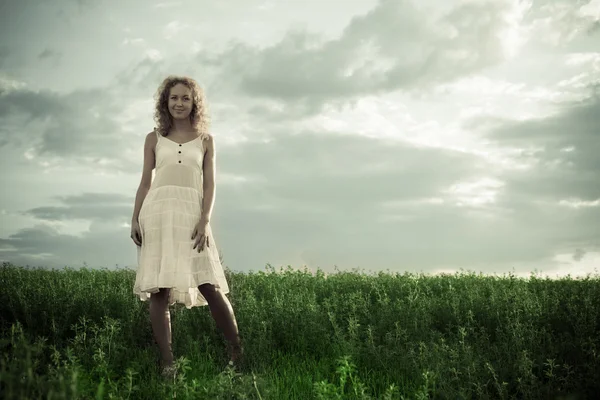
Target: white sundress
(169,213)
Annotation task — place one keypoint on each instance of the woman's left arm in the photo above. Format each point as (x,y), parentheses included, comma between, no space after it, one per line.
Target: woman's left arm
(208,185)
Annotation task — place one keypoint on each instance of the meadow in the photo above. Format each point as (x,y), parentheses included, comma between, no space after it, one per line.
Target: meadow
(82,334)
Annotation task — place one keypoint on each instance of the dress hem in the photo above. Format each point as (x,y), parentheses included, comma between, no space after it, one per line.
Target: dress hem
(189,297)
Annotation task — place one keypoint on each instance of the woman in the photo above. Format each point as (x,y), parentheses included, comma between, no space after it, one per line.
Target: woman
(178,260)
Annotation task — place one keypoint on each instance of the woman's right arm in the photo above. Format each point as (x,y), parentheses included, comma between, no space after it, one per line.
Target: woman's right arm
(146,181)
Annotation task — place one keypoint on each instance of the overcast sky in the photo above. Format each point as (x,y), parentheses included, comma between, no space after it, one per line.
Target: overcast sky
(383,135)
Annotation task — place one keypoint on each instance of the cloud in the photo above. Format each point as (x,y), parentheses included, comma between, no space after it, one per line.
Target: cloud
(292,191)
(394,46)
(588,60)
(562,21)
(54,57)
(167,4)
(566,163)
(133,42)
(48,53)
(173,28)
(560,191)
(83,127)
(44,246)
(300,191)
(578,255)
(337,207)
(86,206)
(37,104)
(349,201)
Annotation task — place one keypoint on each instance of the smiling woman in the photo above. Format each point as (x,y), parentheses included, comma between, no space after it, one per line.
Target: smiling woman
(181,108)
(178,260)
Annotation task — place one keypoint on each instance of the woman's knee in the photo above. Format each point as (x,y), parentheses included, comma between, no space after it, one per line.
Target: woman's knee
(207,289)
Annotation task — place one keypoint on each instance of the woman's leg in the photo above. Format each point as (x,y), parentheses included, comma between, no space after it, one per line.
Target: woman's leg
(160,318)
(222,313)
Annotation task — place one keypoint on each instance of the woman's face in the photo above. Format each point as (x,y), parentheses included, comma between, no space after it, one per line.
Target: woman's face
(180,101)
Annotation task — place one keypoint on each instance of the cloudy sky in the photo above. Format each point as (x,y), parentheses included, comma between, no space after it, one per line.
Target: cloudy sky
(398,135)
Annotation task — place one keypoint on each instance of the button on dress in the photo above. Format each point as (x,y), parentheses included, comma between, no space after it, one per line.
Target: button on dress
(169,213)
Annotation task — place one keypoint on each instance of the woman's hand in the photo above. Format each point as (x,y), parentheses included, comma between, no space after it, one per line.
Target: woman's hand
(136,233)
(201,234)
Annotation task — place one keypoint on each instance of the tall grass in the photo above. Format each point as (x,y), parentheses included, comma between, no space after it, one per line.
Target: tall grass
(70,334)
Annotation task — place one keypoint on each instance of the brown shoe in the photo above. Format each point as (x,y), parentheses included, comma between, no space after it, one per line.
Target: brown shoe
(240,361)
(169,372)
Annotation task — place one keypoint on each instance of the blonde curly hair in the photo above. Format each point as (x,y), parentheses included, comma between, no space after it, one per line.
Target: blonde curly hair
(198,116)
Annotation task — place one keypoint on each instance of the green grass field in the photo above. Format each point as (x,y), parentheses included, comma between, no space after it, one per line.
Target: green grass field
(82,334)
